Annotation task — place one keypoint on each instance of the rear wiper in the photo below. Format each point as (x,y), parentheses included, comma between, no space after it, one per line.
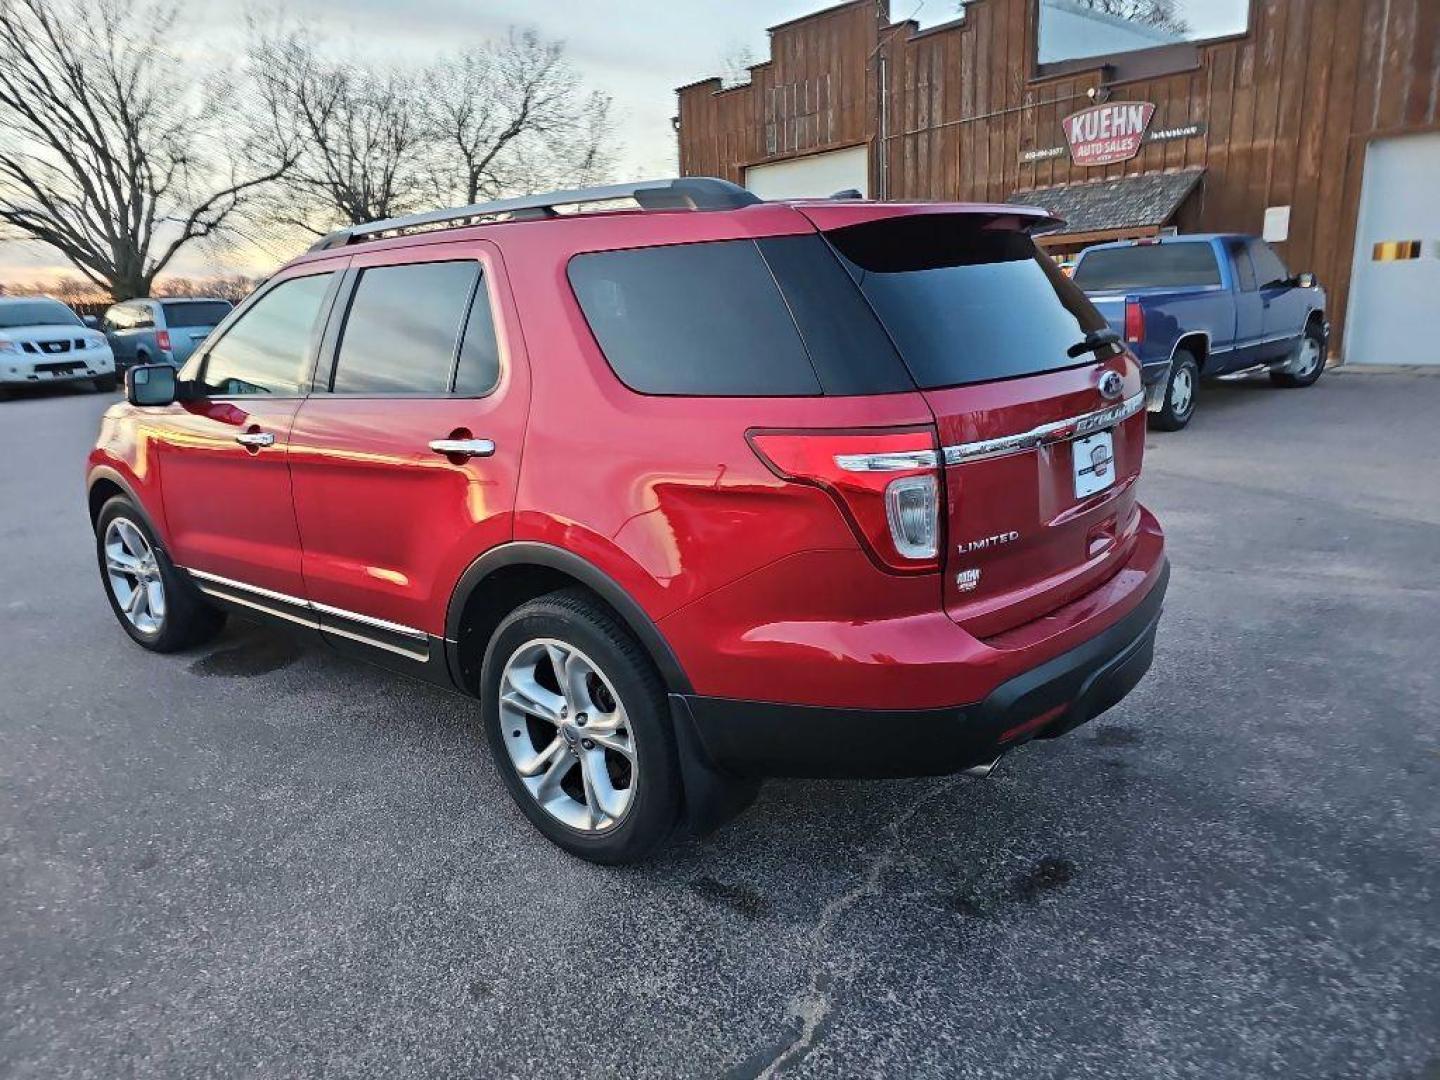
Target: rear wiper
(1094,341)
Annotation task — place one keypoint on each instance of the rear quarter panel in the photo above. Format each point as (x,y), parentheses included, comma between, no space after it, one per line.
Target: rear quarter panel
(663,494)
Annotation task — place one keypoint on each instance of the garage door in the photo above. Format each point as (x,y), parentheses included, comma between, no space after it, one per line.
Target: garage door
(1393,316)
(814,177)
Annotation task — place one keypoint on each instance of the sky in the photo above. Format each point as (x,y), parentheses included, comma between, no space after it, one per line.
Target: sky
(638,51)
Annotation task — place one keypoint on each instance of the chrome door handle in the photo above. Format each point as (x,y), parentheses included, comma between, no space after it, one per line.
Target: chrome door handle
(467,448)
(255,438)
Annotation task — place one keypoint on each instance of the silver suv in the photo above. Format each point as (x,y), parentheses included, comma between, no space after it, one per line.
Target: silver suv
(161,331)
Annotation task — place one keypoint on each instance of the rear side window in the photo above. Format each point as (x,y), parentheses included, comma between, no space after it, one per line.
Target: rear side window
(777,317)
(1148,266)
(403,328)
(693,319)
(268,349)
(1244,268)
(195,313)
(964,301)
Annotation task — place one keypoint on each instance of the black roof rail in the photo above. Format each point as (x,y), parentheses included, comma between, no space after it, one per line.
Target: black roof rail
(681,193)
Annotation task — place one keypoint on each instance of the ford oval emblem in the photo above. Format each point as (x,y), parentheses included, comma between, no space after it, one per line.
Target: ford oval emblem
(1111,385)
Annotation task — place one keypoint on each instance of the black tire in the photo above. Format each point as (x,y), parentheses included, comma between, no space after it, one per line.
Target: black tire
(188,618)
(1181,387)
(1313,335)
(106,384)
(575,618)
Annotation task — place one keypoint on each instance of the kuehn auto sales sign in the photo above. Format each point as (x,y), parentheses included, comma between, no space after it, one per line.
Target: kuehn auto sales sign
(1105,134)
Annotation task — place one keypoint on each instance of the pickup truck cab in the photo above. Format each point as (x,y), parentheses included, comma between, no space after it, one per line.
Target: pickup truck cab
(1203,306)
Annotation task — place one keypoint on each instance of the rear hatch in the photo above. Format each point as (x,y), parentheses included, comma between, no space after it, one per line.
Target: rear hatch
(1042,443)
(189,322)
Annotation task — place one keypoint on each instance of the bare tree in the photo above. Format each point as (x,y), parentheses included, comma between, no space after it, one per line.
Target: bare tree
(1161,14)
(735,65)
(358,130)
(108,152)
(512,116)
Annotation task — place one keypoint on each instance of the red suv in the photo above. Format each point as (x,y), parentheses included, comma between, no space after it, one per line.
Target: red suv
(689,493)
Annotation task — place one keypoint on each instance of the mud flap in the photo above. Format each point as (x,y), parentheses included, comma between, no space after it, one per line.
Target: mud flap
(713,796)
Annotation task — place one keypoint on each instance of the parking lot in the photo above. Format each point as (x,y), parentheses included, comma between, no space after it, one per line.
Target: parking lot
(265,860)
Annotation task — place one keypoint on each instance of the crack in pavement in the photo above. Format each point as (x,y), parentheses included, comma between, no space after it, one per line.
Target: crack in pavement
(813,1006)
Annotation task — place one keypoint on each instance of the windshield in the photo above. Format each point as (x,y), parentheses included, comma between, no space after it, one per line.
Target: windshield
(37,313)
(964,301)
(195,313)
(1148,266)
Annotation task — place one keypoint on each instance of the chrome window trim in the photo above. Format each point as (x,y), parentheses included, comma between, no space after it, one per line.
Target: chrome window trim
(1054,432)
(202,577)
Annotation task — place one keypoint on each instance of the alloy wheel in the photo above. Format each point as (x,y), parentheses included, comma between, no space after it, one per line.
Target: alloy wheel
(568,735)
(134,576)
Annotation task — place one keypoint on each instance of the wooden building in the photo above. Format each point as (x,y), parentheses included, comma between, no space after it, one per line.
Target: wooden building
(1319,124)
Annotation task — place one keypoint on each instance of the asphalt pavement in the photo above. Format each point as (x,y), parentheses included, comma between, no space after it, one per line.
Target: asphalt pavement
(264,860)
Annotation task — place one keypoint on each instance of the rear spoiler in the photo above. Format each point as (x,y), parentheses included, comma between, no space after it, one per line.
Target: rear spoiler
(827,215)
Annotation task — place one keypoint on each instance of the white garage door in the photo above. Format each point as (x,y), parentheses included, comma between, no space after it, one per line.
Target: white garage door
(1394,317)
(814,177)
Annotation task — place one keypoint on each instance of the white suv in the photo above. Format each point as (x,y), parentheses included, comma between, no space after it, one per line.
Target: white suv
(43,341)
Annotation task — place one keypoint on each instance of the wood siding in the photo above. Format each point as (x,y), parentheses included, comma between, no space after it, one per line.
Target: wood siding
(1289,108)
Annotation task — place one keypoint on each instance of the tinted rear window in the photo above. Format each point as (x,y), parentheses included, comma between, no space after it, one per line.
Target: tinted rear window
(701,319)
(965,302)
(206,313)
(1147,266)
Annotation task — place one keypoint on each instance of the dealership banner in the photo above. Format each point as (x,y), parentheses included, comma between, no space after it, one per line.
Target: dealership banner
(1105,134)
(1110,133)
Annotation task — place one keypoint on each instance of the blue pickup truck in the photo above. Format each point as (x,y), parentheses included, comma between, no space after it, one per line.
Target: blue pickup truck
(1201,306)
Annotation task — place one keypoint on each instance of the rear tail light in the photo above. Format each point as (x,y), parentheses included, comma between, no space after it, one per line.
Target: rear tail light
(1134,322)
(886,483)
(162,338)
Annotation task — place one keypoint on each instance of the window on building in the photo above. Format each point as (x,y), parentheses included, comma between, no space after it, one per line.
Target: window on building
(1075,29)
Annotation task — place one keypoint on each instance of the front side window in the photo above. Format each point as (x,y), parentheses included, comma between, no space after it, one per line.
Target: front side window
(1148,266)
(403,328)
(1269,270)
(268,349)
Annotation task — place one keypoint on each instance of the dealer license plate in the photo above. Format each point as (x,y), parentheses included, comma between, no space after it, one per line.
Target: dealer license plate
(1094,458)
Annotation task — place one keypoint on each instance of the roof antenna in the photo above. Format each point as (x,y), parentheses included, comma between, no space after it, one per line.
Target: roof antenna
(848,193)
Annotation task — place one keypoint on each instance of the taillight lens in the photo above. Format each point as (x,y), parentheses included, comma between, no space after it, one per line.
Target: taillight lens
(162,338)
(887,484)
(1134,322)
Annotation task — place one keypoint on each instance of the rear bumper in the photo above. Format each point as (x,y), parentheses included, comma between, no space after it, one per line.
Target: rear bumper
(750,738)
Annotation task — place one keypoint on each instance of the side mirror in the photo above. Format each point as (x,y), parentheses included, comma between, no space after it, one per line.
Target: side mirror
(1305,280)
(91,321)
(151,384)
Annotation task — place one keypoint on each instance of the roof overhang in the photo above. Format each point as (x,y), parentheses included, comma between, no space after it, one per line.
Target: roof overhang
(1119,205)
